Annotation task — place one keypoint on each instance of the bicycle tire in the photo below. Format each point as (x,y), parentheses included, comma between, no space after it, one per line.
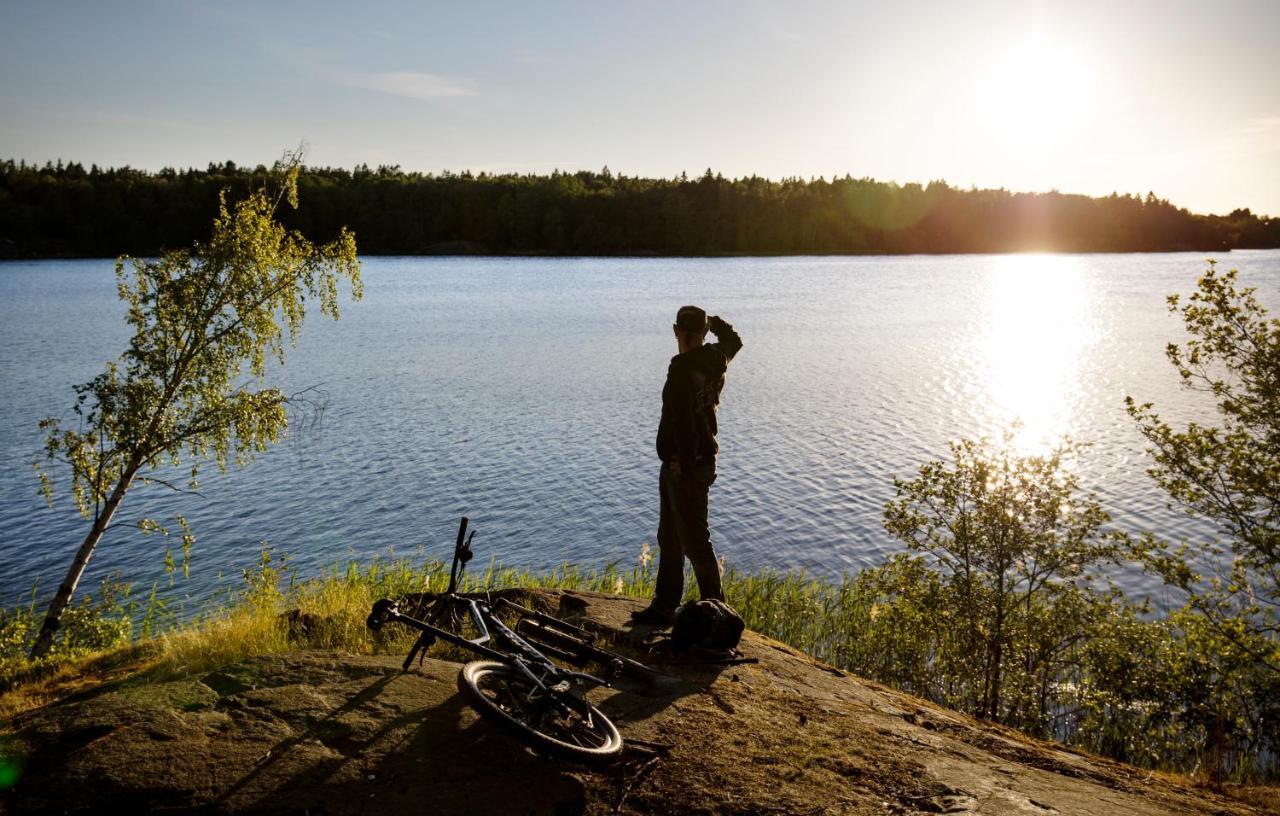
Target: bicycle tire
(488,686)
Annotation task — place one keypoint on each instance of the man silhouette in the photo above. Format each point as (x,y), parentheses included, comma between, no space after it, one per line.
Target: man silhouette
(687,447)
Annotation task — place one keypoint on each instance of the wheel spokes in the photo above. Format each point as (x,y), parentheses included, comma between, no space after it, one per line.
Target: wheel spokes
(515,696)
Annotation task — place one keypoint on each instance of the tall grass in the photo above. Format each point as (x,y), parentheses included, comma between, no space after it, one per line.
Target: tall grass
(328,611)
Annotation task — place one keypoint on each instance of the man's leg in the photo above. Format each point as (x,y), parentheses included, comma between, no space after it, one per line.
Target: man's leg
(670,580)
(690,506)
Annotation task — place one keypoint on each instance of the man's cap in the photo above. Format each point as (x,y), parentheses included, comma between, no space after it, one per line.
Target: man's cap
(691,318)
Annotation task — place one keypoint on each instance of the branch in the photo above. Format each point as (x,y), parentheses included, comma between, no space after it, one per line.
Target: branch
(171,486)
(307,407)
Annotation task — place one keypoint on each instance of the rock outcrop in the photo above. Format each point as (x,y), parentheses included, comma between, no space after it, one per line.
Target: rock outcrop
(334,733)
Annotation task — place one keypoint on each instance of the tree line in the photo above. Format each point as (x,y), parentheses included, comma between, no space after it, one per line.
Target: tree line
(64,210)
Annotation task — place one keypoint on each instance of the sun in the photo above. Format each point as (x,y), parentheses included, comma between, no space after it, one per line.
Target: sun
(1036,96)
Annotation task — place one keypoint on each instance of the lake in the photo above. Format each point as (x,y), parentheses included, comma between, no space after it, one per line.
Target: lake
(525,393)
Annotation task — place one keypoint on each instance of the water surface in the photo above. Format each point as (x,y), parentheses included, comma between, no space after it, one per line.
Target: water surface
(525,393)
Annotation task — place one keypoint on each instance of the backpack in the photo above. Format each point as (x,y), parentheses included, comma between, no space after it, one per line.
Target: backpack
(711,625)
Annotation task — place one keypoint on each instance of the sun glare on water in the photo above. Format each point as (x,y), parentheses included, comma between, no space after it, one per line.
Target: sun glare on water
(1035,334)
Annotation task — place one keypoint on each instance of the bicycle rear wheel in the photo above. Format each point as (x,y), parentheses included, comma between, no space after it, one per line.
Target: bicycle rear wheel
(506,697)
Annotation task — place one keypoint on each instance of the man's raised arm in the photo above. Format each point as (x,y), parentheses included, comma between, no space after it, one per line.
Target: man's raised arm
(726,338)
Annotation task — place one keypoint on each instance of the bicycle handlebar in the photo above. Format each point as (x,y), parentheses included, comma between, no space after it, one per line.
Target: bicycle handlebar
(383,610)
(461,554)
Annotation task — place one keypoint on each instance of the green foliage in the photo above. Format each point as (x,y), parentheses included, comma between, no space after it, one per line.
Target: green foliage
(199,316)
(879,622)
(66,210)
(1009,536)
(1229,473)
(1107,676)
(98,622)
(189,389)
(1171,693)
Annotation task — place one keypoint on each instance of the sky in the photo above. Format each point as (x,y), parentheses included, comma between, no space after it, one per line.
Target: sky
(1177,97)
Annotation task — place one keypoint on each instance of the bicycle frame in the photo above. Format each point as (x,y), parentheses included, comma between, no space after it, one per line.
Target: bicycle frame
(526,657)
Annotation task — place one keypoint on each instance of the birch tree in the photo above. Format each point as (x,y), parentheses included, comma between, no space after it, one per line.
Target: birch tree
(190,389)
(1228,473)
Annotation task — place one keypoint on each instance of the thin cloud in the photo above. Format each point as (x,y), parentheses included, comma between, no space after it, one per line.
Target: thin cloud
(413,85)
(1263,124)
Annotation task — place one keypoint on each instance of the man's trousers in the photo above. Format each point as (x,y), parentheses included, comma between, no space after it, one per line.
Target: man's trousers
(683,533)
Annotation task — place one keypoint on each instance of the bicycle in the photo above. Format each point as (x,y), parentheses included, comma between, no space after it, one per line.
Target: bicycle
(521,689)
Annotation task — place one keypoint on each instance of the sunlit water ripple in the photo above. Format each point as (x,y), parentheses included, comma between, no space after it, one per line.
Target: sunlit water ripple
(525,393)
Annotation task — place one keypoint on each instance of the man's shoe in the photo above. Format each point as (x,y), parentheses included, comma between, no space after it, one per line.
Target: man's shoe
(653,617)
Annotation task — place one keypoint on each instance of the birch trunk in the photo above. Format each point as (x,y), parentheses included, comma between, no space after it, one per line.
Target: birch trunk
(61,600)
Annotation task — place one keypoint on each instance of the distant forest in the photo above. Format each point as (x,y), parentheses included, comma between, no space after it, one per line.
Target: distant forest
(64,210)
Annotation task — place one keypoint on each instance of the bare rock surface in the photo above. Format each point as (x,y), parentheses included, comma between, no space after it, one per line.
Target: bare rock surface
(327,733)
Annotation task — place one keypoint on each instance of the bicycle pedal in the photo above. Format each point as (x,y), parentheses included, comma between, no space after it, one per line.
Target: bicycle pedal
(425,641)
(614,671)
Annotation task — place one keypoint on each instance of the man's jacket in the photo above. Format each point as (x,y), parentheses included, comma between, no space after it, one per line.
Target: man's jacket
(687,431)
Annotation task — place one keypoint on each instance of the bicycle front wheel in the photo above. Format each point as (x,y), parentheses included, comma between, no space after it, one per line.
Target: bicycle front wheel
(506,697)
